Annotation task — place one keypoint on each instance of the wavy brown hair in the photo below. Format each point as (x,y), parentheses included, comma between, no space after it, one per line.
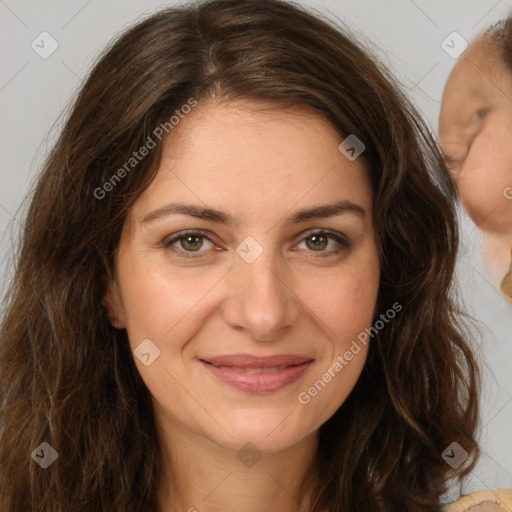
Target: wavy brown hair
(68,377)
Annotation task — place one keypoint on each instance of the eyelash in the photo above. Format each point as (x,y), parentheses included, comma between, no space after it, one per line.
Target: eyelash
(343,241)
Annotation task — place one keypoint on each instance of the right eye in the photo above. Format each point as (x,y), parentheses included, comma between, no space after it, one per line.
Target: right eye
(190,242)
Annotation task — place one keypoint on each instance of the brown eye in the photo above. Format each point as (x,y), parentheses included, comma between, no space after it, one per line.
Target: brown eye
(191,242)
(317,242)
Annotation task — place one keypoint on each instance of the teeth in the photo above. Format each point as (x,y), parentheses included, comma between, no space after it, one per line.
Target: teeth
(256,370)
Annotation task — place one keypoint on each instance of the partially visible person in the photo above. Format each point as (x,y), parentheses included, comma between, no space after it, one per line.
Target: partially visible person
(475,132)
(498,500)
(506,283)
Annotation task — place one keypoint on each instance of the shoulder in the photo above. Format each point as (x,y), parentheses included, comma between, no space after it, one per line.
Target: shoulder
(497,500)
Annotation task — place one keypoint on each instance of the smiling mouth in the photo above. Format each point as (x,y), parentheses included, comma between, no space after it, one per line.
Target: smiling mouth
(272,369)
(256,375)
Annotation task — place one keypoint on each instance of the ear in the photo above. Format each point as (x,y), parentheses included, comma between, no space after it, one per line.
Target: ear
(112,302)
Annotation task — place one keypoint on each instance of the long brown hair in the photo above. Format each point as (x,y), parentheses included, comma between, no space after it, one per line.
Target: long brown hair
(68,377)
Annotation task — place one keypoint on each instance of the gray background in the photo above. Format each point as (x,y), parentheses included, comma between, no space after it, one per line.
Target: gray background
(405,34)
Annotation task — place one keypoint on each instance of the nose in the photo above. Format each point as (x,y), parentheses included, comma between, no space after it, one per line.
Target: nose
(260,299)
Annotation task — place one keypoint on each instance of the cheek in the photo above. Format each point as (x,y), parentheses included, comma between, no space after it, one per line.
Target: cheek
(346,301)
(348,309)
(160,301)
(485,177)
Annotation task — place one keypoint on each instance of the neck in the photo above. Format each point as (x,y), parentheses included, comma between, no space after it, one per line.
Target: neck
(497,253)
(199,475)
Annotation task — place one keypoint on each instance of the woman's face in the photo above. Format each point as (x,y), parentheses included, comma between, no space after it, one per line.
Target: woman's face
(475,132)
(249,311)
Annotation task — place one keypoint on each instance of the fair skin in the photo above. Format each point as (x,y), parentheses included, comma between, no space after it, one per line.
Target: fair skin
(475,130)
(302,296)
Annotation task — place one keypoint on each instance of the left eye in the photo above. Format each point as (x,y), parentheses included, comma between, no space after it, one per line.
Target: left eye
(317,241)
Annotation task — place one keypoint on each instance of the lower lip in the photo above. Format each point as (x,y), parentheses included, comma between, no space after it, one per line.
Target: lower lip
(258,383)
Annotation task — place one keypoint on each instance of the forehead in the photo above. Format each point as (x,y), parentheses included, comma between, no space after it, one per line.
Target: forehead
(257,164)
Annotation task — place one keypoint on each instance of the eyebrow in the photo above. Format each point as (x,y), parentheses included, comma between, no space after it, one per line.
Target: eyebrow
(200,212)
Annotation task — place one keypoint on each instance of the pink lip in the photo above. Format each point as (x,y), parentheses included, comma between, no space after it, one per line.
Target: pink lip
(229,369)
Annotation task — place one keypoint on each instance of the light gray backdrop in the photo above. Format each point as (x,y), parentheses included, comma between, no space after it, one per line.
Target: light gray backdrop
(408,35)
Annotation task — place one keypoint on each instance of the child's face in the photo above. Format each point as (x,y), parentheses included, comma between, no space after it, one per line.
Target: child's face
(260,286)
(475,132)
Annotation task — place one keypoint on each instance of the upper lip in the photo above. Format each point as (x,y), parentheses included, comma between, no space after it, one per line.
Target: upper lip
(250,361)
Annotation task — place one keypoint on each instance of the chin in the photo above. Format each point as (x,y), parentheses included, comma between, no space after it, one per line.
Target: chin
(269,432)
